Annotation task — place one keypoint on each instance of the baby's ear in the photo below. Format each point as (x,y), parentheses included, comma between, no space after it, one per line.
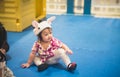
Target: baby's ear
(35,24)
(49,20)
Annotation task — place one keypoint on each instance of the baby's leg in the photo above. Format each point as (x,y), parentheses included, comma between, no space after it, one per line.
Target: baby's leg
(41,66)
(59,54)
(63,55)
(37,61)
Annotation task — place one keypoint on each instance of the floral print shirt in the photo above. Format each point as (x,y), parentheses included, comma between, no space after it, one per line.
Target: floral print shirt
(46,54)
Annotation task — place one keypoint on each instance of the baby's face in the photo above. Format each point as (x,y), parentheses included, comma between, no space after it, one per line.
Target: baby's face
(47,35)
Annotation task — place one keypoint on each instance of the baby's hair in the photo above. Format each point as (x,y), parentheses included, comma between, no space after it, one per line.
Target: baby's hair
(39,36)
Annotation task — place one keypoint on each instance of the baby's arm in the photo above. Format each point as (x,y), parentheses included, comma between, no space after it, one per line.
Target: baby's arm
(66,48)
(30,60)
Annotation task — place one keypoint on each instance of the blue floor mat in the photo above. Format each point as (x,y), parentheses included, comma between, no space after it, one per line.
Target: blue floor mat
(95,43)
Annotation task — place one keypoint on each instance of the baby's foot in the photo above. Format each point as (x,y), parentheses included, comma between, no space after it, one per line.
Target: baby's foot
(42,67)
(71,66)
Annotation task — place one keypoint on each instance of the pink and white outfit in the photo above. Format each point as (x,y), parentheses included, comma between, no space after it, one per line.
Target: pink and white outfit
(52,55)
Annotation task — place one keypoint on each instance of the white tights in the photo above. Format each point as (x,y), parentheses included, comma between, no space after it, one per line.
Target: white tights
(58,54)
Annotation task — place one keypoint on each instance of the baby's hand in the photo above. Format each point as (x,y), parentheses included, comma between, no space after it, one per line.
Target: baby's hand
(26,65)
(70,52)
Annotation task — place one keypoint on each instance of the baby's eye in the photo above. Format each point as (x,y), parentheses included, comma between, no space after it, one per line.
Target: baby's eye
(38,27)
(50,32)
(46,34)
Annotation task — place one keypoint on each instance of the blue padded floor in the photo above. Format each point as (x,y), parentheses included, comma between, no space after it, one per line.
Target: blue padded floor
(95,43)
